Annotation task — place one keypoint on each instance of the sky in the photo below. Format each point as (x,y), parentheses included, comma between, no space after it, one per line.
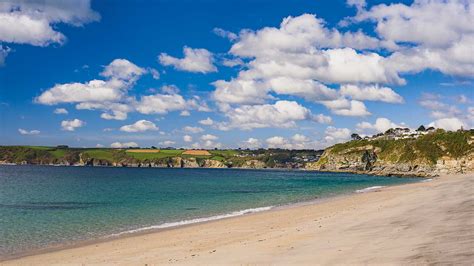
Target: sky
(231,74)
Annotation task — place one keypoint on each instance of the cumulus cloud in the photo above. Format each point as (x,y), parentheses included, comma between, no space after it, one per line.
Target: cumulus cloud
(439,35)
(112,94)
(206,122)
(251,143)
(167,143)
(335,135)
(71,125)
(225,34)
(296,142)
(208,137)
(28,132)
(448,116)
(303,56)
(140,126)
(346,107)
(187,138)
(371,93)
(61,111)
(207,144)
(277,142)
(282,114)
(121,145)
(120,74)
(381,124)
(450,123)
(239,91)
(3,54)
(193,130)
(195,60)
(161,103)
(185,113)
(33,22)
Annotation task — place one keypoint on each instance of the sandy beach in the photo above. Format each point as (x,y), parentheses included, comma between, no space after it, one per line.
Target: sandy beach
(428,222)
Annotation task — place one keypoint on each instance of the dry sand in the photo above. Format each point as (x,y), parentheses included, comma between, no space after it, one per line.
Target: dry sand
(424,223)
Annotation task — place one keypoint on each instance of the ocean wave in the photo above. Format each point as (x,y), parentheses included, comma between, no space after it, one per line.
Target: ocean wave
(369,189)
(196,220)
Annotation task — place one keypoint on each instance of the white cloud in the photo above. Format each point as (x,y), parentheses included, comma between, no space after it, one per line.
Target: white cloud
(277,142)
(282,114)
(154,73)
(161,103)
(167,143)
(371,93)
(208,144)
(28,132)
(123,69)
(33,22)
(381,124)
(232,62)
(345,107)
(140,126)
(195,60)
(225,34)
(208,137)
(193,130)
(300,138)
(336,135)
(185,113)
(61,111)
(238,91)
(296,142)
(71,125)
(451,124)
(170,89)
(124,145)
(187,138)
(120,74)
(251,143)
(92,91)
(439,109)
(3,54)
(99,145)
(433,34)
(111,95)
(207,122)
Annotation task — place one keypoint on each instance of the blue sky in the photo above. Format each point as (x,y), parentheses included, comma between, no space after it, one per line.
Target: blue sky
(228,74)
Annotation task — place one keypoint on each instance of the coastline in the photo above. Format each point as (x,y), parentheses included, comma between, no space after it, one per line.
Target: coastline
(401,221)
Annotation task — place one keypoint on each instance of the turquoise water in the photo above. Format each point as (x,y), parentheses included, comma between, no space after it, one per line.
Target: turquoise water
(42,206)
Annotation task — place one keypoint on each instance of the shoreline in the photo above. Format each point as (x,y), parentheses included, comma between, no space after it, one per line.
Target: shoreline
(422,222)
(369,173)
(208,219)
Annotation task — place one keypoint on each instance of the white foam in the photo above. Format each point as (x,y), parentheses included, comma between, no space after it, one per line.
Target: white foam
(369,189)
(197,220)
(427,180)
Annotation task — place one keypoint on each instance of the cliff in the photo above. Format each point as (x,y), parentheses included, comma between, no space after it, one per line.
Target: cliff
(438,152)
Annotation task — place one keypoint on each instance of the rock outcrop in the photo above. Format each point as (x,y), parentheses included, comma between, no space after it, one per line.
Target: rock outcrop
(423,157)
(253,164)
(208,163)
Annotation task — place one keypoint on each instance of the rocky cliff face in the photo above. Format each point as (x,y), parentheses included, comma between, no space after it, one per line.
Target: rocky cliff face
(424,157)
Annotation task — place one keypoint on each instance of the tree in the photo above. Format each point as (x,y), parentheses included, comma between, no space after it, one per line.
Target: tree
(421,128)
(355,136)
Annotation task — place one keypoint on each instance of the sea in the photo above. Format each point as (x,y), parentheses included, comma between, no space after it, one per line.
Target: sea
(54,206)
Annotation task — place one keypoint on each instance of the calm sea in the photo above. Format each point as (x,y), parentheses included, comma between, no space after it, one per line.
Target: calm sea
(43,206)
